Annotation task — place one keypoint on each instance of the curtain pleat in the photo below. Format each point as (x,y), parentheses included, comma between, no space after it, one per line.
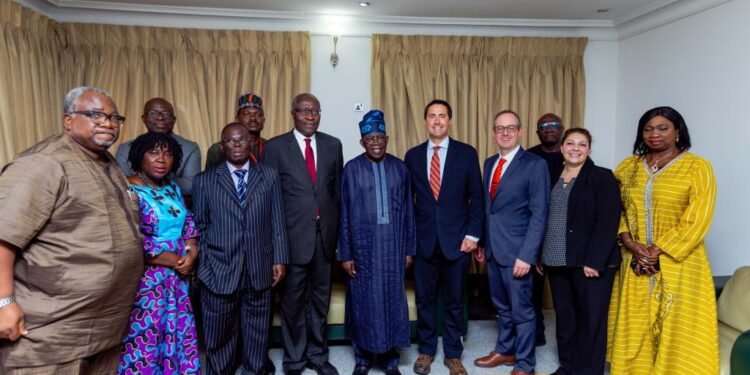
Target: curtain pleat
(479,76)
(201,72)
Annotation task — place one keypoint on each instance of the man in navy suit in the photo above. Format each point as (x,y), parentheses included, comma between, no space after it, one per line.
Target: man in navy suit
(448,208)
(239,212)
(309,164)
(516,191)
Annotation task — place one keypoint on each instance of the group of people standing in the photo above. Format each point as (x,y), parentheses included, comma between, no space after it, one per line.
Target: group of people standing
(76,233)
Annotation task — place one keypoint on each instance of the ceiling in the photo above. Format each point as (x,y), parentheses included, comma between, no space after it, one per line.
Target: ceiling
(514,9)
(595,19)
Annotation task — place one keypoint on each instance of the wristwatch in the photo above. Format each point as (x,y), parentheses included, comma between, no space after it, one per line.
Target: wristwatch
(5,301)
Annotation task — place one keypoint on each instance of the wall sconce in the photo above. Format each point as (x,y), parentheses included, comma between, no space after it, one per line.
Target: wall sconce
(334,56)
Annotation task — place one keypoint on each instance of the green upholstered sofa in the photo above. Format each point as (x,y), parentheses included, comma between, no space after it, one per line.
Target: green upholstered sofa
(336,312)
(734,323)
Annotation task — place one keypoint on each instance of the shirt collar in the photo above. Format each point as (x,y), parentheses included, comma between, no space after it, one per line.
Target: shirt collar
(232,168)
(301,137)
(443,144)
(511,155)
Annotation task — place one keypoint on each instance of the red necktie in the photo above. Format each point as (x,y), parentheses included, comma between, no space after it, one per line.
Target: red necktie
(496,178)
(310,159)
(435,172)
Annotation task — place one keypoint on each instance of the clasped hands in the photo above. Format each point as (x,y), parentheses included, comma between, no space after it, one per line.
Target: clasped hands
(645,257)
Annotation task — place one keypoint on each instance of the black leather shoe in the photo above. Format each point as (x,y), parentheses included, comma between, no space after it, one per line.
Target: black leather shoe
(325,368)
(361,370)
(293,372)
(392,371)
(268,367)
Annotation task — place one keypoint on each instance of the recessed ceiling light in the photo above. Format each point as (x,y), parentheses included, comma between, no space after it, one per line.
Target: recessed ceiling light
(602,10)
(364,3)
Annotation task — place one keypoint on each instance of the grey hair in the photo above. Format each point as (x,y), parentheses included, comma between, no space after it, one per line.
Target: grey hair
(300,96)
(72,96)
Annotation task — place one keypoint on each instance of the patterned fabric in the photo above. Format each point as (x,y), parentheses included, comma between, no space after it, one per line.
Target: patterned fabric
(554,249)
(496,177)
(435,172)
(666,323)
(162,337)
(241,184)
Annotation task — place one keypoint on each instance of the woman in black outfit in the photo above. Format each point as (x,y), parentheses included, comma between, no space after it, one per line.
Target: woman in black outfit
(580,255)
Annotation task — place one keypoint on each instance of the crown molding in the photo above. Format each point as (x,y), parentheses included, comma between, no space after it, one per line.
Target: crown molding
(664,16)
(653,15)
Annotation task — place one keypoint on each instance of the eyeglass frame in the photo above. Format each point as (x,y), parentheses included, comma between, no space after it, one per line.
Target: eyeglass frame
(506,129)
(164,114)
(99,116)
(307,111)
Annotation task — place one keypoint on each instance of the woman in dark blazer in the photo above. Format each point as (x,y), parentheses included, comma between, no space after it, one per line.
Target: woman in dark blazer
(580,255)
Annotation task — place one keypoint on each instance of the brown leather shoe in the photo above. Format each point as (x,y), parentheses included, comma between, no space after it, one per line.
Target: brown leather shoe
(422,364)
(455,366)
(494,359)
(521,372)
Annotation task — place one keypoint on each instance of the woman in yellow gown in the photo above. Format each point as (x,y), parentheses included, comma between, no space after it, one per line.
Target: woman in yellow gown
(662,317)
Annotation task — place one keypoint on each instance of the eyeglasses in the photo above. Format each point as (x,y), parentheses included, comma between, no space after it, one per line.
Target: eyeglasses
(157,114)
(374,140)
(236,141)
(551,124)
(307,111)
(100,116)
(506,129)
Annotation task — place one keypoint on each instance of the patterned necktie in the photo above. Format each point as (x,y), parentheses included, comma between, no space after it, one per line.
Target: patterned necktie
(435,172)
(310,159)
(496,178)
(241,185)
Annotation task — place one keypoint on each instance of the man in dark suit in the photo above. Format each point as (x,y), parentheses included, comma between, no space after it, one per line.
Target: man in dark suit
(516,186)
(447,187)
(309,164)
(239,212)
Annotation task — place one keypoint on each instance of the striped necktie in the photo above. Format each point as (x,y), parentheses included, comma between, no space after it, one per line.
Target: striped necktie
(435,172)
(241,185)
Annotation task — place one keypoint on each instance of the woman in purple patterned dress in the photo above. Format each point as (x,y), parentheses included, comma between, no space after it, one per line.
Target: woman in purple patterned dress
(162,337)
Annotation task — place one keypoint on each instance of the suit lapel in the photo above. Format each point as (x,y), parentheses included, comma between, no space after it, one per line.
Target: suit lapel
(297,157)
(450,155)
(254,180)
(422,160)
(226,182)
(515,165)
(323,161)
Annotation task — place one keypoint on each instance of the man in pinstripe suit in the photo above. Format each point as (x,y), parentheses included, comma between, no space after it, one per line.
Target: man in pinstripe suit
(309,164)
(244,249)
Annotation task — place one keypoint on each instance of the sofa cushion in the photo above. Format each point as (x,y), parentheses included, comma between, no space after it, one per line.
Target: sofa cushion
(337,308)
(733,306)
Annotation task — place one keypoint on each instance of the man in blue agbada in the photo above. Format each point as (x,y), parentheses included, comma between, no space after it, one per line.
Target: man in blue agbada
(376,245)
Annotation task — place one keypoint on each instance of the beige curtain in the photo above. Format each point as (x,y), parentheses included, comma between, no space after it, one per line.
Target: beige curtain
(478,76)
(30,91)
(202,72)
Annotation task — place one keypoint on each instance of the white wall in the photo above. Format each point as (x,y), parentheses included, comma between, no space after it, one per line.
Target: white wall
(699,66)
(340,89)
(600,64)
